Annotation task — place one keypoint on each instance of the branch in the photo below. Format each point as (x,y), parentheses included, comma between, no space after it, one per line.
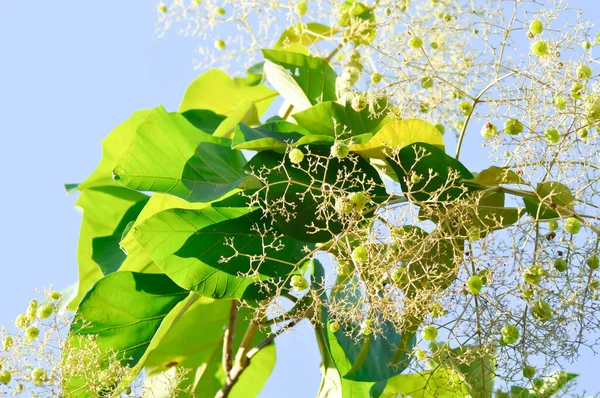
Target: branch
(228,338)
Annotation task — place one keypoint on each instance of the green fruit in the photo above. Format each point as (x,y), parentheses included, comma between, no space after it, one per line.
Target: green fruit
(427,82)
(301,8)
(434,45)
(358,200)
(447,17)
(598,38)
(528,372)
(299,282)
(343,206)
(510,334)
(540,48)
(594,285)
(485,276)
(32,308)
(7,343)
(501,394)
(552,135)
(334,327)
(474,233)
(460,125)
(55,295)
(415,42)
(572,225)
(536,27)
(560,103)
(421,355)
(32,333)
(5,377)
(376,78)
(474,284)
(367,327)
(553,225)
(296,156)
(220,11)
(488,130)
(359,102)
(560,265)
(437,310)
(533,275)
(465,107)
(583,133)
(527,293)
(38,375)
(343,269)
(584,72)
(359,255)
(576,90)
(538,383)
(593,110)
(45,311)
(429,333)
(220,45)
(340,150)
(22,321)
(513,127)
(586,45)
(541,311)
(415,179)
(593,262)
(440,128)
(162,8)
(400,276)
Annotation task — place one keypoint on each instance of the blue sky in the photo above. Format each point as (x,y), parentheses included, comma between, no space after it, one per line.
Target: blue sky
(69,73)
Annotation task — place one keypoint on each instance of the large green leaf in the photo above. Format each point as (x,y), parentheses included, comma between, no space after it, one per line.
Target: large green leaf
(309,191)
(396,135)
(478,368)
(439,383)
(106,212)
(298,37)
(439,173)
(124,311)
(203,119)
(113,147)
(553,384)
(201,357)
(552,196)
(245,113)
(495,175)
(168,154)
(301,79)
(273,136)
(322,118)
(214,90)
(367,358)
(191,247)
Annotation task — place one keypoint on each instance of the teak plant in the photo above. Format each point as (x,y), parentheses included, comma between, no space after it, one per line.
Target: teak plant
(210,231)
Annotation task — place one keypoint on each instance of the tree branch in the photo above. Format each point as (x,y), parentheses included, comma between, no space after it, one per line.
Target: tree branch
(228,338)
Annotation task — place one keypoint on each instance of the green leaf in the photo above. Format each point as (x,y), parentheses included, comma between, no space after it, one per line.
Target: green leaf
(439,383)
(201,357)
(322,119)
(245,113)
(298,37)
(167,154)
(302,80)
(551,195)
(215,91)
(372,358)
(305,190)
(204,120)
(113,147)
(478,368)
(519,392)
(397,135)
(123,311)
(106,213)
(494,175)
(553,384)
(190,246)
(273,136)
(439,173)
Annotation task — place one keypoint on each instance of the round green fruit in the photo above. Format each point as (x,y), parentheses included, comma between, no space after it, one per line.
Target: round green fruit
(572,225)
(429,333)
(38,375)
(533,274)
(220,45)
(474,284)
(510,334)
(560,265)
(527,293)
(536,27)
(421,355)
(488,130)
(301,8)
(586,45)
(540,48)
(340,150)
(5,377)
(299,282)
(334,327)
(538,383)
(45,311)
(415,42)
(528,371)
(553,225)
(434,45)
(358,200)
(32,333)
(376,78)
(552,135)
(415,178)
(513,127)
(583,133)
(474,233)
(584,72)
(296,156)
(560,102)
(577,90)
(162,8)
(7,342)
(427,82)
(55,295)
(400,276)
(593,262)
(465,108)
(359,102)
(220,11)
(343,206)
(343,268)
(541,311)
(359,255)
(22,321)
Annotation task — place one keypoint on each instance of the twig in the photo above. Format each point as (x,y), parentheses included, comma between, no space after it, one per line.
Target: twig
(228,338)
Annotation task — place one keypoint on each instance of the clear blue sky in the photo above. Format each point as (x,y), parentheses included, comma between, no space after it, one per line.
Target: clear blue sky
(69,73)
